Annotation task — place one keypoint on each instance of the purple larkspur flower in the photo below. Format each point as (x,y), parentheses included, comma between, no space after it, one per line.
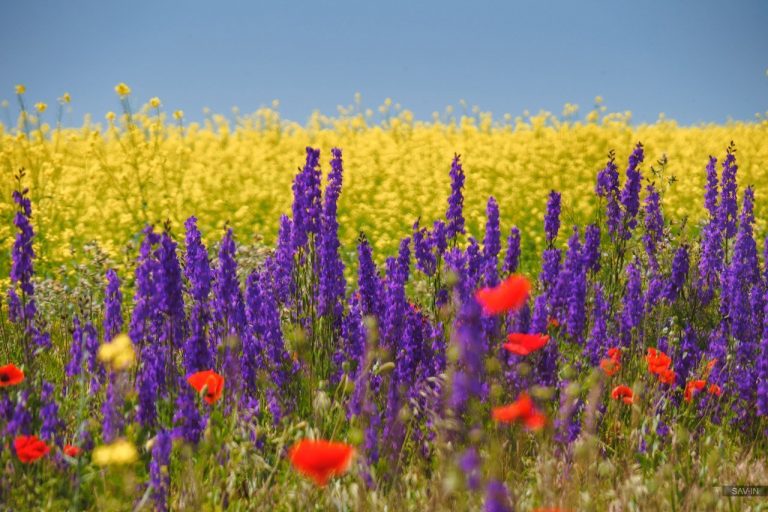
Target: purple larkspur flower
(475,263)
(439,238)
(592,248)
(550,268)
(711,261)
(111,410)
(91,348)
(188,423)
(656,289)
(674,284)
(688,356)
(630,194)
(307,199)
(331,278)
(497,497)
(653,224)
(170,300)
(368,280)
(608,188)
(469,463)
(197,271)
(552,217)
(455,213)
(52,425)
(268,350)
(21,302)
(422,250)
(21,419)
(468,379)
(353,336)
(492,243)
(632,301)
(113,306)
(742,273)
(710,194)
(395,301)
(228,310)
(253,352)
(283,260)
(575,319)
(762,364)
(728,208)
(148,386)
(146,292)
(512,256)
(596,345)
(76,350)
(159,471)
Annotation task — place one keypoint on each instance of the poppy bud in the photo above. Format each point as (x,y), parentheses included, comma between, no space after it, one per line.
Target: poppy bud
(524,369)
(492,365)
(542,393)
(385,368)
(321,402)
(569,373)
(356,436)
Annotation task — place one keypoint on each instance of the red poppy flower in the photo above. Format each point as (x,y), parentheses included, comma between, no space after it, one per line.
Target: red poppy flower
(320,460)
(658,361)
(509,295)
(553,322)
(691,387)
(523,344)
(521,410)
(210,381)
(615,354)
(667,376)
(29,448)
(610,366)
(623,393)
(711,364)
(714,389)
(10,375)
(535,421)
(72,451)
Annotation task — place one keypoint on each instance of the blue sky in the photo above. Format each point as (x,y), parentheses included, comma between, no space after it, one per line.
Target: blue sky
(696,61)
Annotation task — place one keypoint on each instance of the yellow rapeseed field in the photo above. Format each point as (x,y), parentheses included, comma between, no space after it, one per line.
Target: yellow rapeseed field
(105,180)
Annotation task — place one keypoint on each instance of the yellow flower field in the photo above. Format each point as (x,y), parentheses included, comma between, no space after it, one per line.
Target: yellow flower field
(104,181)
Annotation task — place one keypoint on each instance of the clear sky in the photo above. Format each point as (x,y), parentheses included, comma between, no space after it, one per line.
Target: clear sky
(694,60)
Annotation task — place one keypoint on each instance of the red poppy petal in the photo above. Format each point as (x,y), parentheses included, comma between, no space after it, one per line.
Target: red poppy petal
(535,421)
(320,460)
(509,295)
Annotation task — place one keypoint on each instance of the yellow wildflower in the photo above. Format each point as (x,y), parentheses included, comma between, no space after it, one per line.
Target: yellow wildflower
(178,114)
(120,452)
(154,102)
(20,89)
(65,98)
(118,353)
(40,106)
(122,90)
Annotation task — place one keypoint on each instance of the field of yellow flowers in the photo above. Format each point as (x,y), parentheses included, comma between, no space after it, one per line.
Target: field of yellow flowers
(104,181)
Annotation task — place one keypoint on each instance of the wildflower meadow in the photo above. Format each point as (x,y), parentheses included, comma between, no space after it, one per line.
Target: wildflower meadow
(263,315)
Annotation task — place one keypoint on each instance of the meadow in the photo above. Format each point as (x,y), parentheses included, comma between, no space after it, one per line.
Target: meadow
(368,312)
